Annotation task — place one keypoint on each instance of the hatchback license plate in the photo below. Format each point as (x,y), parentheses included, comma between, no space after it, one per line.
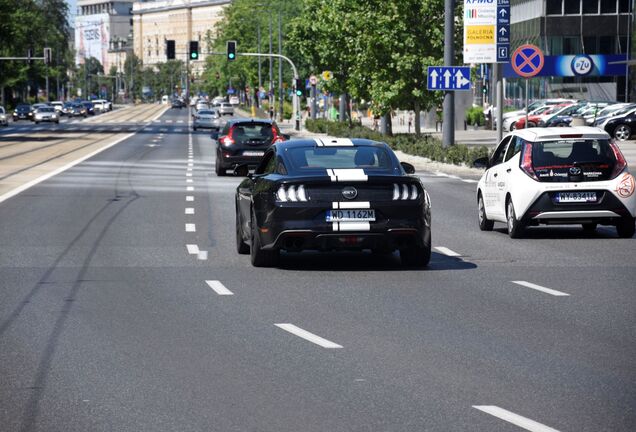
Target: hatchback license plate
(253,153)
(350,215)
(576,197)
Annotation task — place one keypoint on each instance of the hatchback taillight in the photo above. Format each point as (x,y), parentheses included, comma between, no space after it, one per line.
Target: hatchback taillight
(526,161)
(620,164)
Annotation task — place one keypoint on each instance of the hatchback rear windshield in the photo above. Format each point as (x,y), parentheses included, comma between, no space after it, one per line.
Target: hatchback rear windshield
(46,110)
(309,158)
(555,154)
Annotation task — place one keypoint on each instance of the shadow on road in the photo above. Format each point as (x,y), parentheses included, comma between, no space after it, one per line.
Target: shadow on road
(365,262)
(563,233)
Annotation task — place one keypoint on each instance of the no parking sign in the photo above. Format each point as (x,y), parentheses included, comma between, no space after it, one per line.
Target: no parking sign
(527,60)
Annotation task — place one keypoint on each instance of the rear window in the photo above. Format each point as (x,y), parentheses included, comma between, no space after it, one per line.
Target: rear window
(46,109)
(253,133)
(309,158)
(566,152)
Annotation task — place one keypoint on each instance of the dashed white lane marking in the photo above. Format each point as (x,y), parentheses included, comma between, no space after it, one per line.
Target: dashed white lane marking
(189,180)
(218,287)
(189,211)
(190,227)
(469,181)
(189,169)
(446,251)
(188,174)
(178,130)
(515,419)
(168,121)
(190,189)
(179,121)
(297,331)
(541,288)
(190,165)
(189,198)
(193,249)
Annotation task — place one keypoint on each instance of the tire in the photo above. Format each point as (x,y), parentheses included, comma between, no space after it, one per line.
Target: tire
(194,128)
(485,224)
(589,228)
(219,169)
(416,256)
(258,256)
(625,228)
(513,126)
(37,122)
(531,124)
(515,227)
(241,247)
(622,132)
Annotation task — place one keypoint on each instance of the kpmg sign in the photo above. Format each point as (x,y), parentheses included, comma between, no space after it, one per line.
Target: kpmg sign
(486,31)
(579,65)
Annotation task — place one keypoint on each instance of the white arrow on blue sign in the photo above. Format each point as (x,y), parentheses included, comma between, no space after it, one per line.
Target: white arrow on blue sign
(448,78)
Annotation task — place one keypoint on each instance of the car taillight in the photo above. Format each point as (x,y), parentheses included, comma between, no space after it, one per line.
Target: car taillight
(228,140)
(275,137)
(621,163)
(404,192)
(291,193)
(526,161)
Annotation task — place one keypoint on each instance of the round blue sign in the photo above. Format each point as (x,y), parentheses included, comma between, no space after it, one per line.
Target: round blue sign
(582,64)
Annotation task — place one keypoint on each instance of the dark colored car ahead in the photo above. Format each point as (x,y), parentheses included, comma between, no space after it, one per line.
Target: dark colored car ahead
(325,195)
(23,112)
(243,142)
(90,108)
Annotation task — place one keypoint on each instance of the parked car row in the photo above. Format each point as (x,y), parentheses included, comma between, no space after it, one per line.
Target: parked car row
(53,111)
(617,119)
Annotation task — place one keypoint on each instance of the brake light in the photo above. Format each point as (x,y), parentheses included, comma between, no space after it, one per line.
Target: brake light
(275,137)
(526,161)
(621,163)
(228,140)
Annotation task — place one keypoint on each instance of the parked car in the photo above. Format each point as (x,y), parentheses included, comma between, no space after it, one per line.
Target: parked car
(556,176)
(101,105)
(622,127)
(234,100)
(3,117)
(90,108)
(325,195)
(58,105)
(207,119)
(46,114)
(76,110)
(605,113)
(244,142)
(23,112)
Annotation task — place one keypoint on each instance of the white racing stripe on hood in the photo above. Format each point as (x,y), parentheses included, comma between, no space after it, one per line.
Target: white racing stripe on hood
(351,205)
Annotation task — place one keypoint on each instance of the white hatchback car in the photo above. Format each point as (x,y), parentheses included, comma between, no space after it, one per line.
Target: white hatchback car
(556,176)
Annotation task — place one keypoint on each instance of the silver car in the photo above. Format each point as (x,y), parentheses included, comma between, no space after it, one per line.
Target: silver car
(207,119)
(226,109)
(46,114)
(3,117)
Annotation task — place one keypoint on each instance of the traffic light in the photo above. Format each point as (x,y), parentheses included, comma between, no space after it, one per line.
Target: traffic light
(194,50)
(170,50)
(47,56)
(231,50)
(298,85)
(29,55)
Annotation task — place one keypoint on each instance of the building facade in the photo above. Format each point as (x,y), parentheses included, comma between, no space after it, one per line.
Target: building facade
(103,30)
(183,21)
(575,28)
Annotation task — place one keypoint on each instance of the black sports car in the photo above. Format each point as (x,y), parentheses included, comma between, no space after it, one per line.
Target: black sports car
(313,194)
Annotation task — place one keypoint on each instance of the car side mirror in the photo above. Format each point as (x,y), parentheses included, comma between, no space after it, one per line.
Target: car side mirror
(215,135)
(408,168)
(242,171)
(481,162)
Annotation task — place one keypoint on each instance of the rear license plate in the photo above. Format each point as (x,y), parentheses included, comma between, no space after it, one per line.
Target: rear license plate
(253,153)
(350,215)
(576,197)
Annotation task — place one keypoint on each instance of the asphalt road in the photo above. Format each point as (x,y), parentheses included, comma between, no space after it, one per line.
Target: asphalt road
(126,308)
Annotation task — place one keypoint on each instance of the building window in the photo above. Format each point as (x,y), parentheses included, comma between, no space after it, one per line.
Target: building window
(572,7)
(623,6)
(590,45)
(571,45)
(553,7)
(606,45)
(555,44)
(608,6)
(590,6)
(622,40)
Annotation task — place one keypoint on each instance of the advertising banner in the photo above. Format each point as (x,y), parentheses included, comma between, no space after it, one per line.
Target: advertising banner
(92,35)
(579,65)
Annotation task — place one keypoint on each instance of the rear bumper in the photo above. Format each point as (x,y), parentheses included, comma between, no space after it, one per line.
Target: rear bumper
(297,227)
(608,210)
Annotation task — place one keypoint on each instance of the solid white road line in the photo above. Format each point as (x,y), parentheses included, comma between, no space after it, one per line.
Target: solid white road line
(190,228)
(189,198)
(218,287)
(297,331)
(469,181)
(193,249)
(190,189)
(446,251)
(515,419)
(541,288)
(189,210)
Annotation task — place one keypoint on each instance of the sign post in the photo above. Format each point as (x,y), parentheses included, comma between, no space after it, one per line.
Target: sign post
(527,61)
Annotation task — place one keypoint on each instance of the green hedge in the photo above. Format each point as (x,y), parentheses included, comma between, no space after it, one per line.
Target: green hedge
(425,145)
(475,116)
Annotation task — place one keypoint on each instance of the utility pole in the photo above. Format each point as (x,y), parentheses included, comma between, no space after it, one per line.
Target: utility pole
(280,68)
(260,79)
(448,121)
(271,73)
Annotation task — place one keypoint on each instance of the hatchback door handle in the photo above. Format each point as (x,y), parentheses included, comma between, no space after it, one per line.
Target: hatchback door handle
(495,175)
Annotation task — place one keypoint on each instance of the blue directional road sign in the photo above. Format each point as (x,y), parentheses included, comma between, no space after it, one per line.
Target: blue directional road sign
(448,78)
(503,31)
